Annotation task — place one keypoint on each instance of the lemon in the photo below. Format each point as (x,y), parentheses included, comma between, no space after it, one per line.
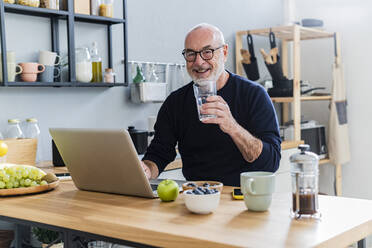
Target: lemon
(3,148)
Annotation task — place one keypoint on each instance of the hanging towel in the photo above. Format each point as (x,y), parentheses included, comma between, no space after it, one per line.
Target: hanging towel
(338,138)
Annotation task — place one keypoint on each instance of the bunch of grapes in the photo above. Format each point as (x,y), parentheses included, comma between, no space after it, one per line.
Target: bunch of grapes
(18,176)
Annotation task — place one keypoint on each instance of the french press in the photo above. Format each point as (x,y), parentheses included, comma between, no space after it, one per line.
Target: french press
(304,174)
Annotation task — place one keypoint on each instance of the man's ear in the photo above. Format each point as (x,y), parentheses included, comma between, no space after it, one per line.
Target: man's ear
(225,52)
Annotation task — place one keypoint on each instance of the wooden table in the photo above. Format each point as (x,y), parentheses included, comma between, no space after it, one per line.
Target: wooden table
(154,223)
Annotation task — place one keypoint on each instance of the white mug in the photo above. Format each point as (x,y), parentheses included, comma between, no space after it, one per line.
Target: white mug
(13,69)
(10,56)
(49,58)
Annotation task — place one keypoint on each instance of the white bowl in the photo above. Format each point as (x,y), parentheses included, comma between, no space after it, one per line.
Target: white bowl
(201,204)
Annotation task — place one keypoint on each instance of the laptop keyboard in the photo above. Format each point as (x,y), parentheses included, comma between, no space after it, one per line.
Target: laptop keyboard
(154,187)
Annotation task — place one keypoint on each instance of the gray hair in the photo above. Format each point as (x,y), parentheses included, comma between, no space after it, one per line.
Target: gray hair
(217,31)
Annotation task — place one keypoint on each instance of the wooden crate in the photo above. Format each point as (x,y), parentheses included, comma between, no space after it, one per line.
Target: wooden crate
(21,151)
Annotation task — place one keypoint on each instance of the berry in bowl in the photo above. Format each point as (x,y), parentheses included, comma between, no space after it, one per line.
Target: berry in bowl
(204,184)
(202,200)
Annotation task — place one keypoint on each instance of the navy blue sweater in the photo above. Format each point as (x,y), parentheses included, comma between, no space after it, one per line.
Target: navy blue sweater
(207,152)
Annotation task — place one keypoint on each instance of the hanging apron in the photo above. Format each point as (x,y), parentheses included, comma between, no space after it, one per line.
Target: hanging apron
(338,138)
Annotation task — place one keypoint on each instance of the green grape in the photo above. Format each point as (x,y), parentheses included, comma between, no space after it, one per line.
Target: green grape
(2,185)
(25,173)
(6,178)
(43,182)
(9,185)
(27,182)
(40,175)
(2,173)
(18,175)
(33,183)
(12,179)
(16,184)
(22,182)
(11,170)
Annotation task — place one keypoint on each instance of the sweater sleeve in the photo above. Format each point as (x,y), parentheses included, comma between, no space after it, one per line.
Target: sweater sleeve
(162,148)
(264,125)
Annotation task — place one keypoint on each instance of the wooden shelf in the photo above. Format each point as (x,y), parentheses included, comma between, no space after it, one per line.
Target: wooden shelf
(97,19)
(291,144)
(287,33)
(303,98)
(33,11)
(62,84)
(325,161)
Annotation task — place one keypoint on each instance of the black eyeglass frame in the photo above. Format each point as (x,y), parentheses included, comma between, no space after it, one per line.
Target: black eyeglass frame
(200,53)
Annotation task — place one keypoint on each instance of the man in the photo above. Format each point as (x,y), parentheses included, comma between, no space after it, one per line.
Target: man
(244,136)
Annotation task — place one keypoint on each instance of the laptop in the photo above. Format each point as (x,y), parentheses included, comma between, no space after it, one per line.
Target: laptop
(104,161)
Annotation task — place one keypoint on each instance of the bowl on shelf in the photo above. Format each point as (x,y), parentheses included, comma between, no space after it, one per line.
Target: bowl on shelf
(201,203)
(209,184)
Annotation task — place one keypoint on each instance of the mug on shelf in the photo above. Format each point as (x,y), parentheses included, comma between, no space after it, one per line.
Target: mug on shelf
(49,74)
(49,58)
(13,69)
(30,71)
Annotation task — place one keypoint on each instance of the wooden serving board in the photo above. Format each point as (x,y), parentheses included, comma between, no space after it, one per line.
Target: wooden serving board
(29,190)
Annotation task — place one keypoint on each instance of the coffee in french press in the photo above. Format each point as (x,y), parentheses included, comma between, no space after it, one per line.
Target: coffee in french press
(305,176)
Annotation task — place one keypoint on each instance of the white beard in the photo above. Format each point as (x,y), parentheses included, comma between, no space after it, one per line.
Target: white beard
(215,75)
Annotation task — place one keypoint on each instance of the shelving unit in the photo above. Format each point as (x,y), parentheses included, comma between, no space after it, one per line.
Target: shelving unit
(294,34)
(70,17)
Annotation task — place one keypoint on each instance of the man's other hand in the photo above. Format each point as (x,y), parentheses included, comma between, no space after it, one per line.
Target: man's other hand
(146,169)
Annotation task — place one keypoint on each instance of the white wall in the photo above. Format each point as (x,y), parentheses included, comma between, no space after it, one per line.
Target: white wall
(352,20)
(156,31)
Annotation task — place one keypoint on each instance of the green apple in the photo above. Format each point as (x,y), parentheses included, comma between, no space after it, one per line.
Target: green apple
(168,190)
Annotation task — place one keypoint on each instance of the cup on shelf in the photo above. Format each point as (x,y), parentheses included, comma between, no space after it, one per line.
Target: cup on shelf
(49,74)
(13,69)
(30,71)
(49,58)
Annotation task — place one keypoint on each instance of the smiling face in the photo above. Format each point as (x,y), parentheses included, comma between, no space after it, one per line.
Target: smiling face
(206,38)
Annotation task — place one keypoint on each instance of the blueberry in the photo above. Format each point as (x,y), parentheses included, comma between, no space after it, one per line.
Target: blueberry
(206,185)
(189,192)
(214,191)
(208,191)
(197,192)
(191,185)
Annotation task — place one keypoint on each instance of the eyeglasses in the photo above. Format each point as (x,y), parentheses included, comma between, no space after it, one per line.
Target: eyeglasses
(206,54)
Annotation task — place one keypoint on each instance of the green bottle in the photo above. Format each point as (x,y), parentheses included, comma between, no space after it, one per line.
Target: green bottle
(139,77)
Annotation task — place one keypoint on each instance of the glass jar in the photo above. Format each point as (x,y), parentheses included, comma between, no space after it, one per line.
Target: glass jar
(31,3)
(110,76)
(106,8)
(14,130)
(32,131)
(305,176)
(83,65)
(94,7)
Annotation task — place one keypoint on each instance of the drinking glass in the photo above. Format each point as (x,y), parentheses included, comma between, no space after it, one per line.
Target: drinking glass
(202,90)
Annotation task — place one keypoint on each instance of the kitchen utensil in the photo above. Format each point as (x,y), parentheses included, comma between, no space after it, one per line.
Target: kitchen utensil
(49,74)
(49,58)
(139,138)
(285,89)
(249,60)
(257,188)
(201,204)
(304,174)
(13,69)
